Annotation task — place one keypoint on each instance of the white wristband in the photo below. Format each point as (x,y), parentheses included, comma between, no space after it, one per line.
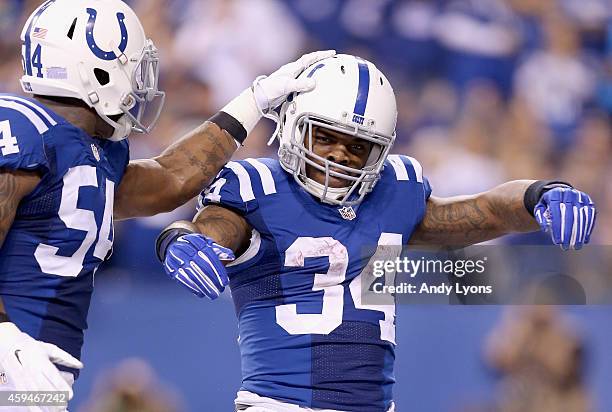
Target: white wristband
(244,109)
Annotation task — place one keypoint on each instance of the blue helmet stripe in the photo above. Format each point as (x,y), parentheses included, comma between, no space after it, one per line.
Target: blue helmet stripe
(317,67)
(28,41)
(363,88)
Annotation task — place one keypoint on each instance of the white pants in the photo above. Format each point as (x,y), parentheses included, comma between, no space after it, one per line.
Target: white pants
(258,403)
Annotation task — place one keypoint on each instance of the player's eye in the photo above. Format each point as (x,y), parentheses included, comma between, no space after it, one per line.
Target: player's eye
(323,138)
(358,148)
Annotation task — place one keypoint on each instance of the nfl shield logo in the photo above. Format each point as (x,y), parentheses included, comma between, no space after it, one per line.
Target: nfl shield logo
(95,152)
(347,213)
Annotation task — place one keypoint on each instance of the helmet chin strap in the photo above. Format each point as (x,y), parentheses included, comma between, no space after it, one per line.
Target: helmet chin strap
(122,129)
(318,189)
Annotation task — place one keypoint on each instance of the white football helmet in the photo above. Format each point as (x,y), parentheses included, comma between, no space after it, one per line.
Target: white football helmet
(95,51)
(352,97)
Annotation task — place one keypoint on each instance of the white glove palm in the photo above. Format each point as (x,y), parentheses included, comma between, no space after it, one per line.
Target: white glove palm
(271,91)
(30,364)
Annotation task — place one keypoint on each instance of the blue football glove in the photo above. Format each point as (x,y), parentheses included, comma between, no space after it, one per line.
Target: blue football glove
(195,261)
(568,215)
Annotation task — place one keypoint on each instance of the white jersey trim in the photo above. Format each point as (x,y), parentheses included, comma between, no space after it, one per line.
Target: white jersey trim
(418,169)
(31,105)
(244,180)
(400,168)
(265,175)
(27,112)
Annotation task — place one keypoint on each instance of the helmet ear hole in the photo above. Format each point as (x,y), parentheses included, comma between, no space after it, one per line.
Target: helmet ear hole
(71,30)
(102,76)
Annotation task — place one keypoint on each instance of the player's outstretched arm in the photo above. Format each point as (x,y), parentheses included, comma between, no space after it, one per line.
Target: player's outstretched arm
(165,182)
(517,206)
(161,184)
(195,253)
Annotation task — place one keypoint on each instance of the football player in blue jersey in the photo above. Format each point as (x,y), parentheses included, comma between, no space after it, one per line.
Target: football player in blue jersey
(293,238)
(65,172)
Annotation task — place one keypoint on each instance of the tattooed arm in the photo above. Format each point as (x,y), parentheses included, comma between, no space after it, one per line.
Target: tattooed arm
(225,227)
(195,253)
(465,220)
(14,186)
(165,182)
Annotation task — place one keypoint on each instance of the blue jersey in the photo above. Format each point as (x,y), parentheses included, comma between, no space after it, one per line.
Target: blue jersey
(62,230)
(305,335)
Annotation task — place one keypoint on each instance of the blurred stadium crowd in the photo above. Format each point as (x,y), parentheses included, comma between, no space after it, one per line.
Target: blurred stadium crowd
(488,90)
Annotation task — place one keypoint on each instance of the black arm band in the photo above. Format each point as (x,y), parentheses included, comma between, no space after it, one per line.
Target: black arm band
(535,191)
(169,235)
(230,125)
(4,318)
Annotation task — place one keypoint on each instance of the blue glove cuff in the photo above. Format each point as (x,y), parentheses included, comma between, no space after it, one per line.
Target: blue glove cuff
(534,192)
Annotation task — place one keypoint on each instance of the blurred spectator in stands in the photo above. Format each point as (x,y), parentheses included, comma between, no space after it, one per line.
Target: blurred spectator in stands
(593,148)
(157,17)
(320,20)
(10,70)
(531,14)
(458,160)
(432,105)
(541,362)
(556,82)
(604,87)
(364,19)
(10,13)
(230,42)
(131,387)
(591,18)
(524,144)
(410,41)
(482,39)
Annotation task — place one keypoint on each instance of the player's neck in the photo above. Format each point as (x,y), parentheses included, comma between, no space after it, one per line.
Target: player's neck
(75,112)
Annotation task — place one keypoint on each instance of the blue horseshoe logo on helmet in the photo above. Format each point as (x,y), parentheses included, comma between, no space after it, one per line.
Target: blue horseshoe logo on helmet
(91,42)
